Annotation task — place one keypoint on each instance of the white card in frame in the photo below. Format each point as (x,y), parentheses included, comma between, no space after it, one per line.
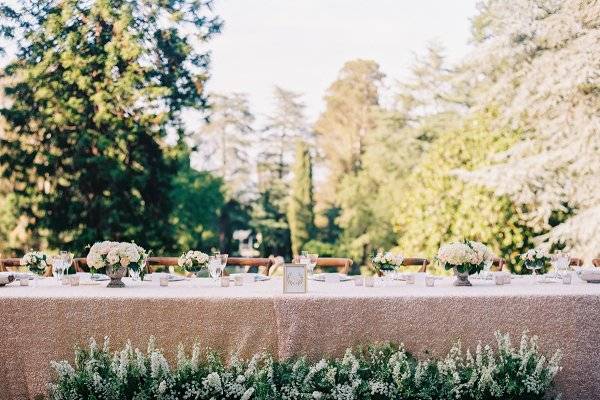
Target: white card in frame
(294,278)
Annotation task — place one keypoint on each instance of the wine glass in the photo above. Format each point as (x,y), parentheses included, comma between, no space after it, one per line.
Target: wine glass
(58,267)
(560,261)
(67,259)
(312,262)
(487,266)
(215,267)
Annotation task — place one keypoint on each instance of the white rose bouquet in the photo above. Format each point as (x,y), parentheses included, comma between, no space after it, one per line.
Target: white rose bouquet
(387,261)
(193,261)
(535,258)
(36,261)
(467,256)
(116,254)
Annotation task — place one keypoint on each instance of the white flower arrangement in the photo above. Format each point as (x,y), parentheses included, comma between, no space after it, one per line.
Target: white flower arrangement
(36,261)
(468,256)
(382,371)
(535,258)
(387,261)
(193,260)
(116,254)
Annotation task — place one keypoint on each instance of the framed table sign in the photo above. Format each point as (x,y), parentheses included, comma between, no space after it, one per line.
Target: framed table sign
(294,278)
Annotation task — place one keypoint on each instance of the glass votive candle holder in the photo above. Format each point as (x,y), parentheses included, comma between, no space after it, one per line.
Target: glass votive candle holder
(359,280)
(429,280)
(507,278)
(369,281)
(224,281)
(410,278)
(499,278)
(567,278)
(65,280)
(24,281)
(164,281)
(74,280)
(239,280)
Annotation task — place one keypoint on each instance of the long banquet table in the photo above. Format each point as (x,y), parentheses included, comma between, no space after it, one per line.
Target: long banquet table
(44,322)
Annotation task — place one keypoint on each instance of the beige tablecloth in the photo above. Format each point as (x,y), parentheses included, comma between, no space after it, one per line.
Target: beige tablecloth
(44,323)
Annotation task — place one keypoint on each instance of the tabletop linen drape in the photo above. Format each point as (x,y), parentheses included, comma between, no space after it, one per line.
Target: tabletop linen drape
(44,323)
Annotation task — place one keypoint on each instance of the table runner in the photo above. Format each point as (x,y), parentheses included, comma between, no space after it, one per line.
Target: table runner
(44,323)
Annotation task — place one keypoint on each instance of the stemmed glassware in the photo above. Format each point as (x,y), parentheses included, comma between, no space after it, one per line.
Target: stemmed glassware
(487,266)
(310,260)
(216,265)
(58,267)
(560,261)
(61,264)
(67,260)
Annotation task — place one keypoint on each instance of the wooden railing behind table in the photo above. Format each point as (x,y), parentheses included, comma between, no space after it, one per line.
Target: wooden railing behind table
(341,264)
(263,264)
(415,261)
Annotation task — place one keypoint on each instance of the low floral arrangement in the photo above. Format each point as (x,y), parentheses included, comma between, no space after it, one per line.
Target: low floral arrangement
(388,261)
(378,372)
(193,261)
(467,257)
(35,261)
(116,254)
(535,258)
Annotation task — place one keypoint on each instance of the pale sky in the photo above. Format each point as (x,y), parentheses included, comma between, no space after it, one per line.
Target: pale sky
(301,45)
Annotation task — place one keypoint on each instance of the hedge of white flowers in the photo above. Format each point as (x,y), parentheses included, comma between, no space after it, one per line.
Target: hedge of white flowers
(383,371)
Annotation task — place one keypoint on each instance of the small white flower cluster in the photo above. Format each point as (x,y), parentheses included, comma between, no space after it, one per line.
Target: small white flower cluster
(464,253)
(35,261)
(534,255)
(104,254)
(387,261)
(193,260)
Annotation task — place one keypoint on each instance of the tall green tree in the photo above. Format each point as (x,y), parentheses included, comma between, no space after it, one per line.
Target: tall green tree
(285,124)
(351,117)
(436,206)
(351,114)
(198,199)
(225,140)
(301,204)
(537,63)
(99,84)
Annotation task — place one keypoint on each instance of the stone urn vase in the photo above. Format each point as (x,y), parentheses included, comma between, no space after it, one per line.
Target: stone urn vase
(462,278)
(116,273)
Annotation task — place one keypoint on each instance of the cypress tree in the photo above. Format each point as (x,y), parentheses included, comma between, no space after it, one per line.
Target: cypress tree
(301,203)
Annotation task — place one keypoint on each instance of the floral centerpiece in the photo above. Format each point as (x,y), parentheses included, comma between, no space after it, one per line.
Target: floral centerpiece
(464,258)
(386,263)
(193,261)
(535,259)
(116,258)
(35,261)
